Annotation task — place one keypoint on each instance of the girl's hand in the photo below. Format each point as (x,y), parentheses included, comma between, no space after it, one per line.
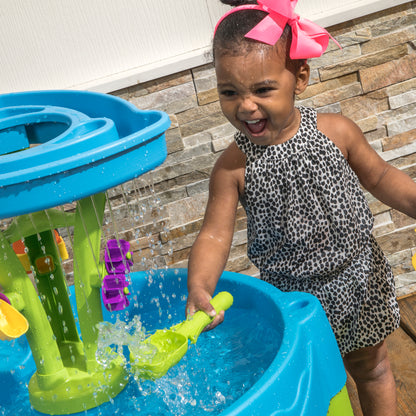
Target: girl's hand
(199,299)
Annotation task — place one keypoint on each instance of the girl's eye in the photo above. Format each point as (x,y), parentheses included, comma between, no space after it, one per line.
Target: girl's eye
(227,93)
(263,90)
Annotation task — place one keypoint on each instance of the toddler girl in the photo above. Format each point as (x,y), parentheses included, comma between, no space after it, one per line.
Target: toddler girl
(297,174)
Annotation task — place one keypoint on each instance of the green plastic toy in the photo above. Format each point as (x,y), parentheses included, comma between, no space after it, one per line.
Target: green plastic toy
(68,378)
(165,348)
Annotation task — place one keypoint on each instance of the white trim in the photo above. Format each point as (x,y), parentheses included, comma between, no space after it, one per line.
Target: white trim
(346,12)
(149,72)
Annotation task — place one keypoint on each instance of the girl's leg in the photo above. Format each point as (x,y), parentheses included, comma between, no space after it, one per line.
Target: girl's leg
(370,369)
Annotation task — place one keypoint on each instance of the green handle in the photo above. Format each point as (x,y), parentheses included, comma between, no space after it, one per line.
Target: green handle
(193,327)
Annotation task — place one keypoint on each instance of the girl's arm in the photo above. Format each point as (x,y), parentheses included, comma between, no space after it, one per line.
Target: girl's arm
(210,251)
(387,183)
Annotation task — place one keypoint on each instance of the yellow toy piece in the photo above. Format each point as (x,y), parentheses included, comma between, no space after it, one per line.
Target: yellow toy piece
(61,246)
(12,323)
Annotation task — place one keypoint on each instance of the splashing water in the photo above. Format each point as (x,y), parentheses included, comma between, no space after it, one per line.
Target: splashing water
(112,337)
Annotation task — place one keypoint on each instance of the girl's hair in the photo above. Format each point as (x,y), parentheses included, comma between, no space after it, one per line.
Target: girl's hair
(230,37)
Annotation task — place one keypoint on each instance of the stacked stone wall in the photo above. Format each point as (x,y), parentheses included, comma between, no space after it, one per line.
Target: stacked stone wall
(372,80)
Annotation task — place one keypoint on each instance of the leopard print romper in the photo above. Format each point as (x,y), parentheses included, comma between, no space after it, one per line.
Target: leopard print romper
(309,230)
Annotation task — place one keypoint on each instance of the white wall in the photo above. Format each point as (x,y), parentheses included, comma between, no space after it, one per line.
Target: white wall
(105,45)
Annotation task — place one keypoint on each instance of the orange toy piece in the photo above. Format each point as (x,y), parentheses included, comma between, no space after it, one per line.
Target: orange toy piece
(20,250)
(45,263)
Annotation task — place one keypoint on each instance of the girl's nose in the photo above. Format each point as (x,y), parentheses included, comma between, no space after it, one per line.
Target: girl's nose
(247,105)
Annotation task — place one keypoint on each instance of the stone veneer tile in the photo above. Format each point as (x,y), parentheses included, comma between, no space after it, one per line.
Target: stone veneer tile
(203,71)
(240,237)
(368,124)
(401,87)
(197,187)
(367,61)
(403,18)
(188,154)
(382,21)
(206,83)
(180,181)
(404,99)
(207,97)
(401,220)
(407,164)
(183,242)
(382,219)
(392,39)
(167,172)
(225,129)
(397,240)
(405,291)
(183,229)
(335,57)
(187,209)
(325,86)
(333,96)
(355,37)
(314,76)
(197,113)
(197,139)
(166,82)
(402,271)
(172,195)
(174,140)
(171,100)
(402,125)
(330,108)
(400,258)
(405,280)
(399,152)
(202,124)
(236,264)
(376,136)
(399,140)
(363,106)
(221,144)
(388,73)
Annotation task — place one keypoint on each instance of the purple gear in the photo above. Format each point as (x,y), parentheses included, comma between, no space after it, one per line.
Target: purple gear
(118,264)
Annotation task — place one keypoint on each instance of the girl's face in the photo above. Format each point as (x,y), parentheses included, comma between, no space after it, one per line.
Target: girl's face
(257,93)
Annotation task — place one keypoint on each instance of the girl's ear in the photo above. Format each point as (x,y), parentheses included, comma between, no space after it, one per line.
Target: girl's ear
(302,78)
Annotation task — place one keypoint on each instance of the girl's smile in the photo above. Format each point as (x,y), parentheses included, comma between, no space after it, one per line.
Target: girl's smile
(257,92)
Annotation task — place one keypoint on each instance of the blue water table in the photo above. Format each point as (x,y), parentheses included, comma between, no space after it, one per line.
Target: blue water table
(60,151)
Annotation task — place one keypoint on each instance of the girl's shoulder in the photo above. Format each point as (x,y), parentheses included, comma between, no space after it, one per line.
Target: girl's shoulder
(339,129)
(334,124)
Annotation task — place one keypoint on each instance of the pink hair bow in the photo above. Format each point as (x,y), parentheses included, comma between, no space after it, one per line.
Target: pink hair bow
(308,39)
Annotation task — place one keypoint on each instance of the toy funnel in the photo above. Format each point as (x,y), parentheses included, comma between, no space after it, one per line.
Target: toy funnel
(165,348)
(60,151)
